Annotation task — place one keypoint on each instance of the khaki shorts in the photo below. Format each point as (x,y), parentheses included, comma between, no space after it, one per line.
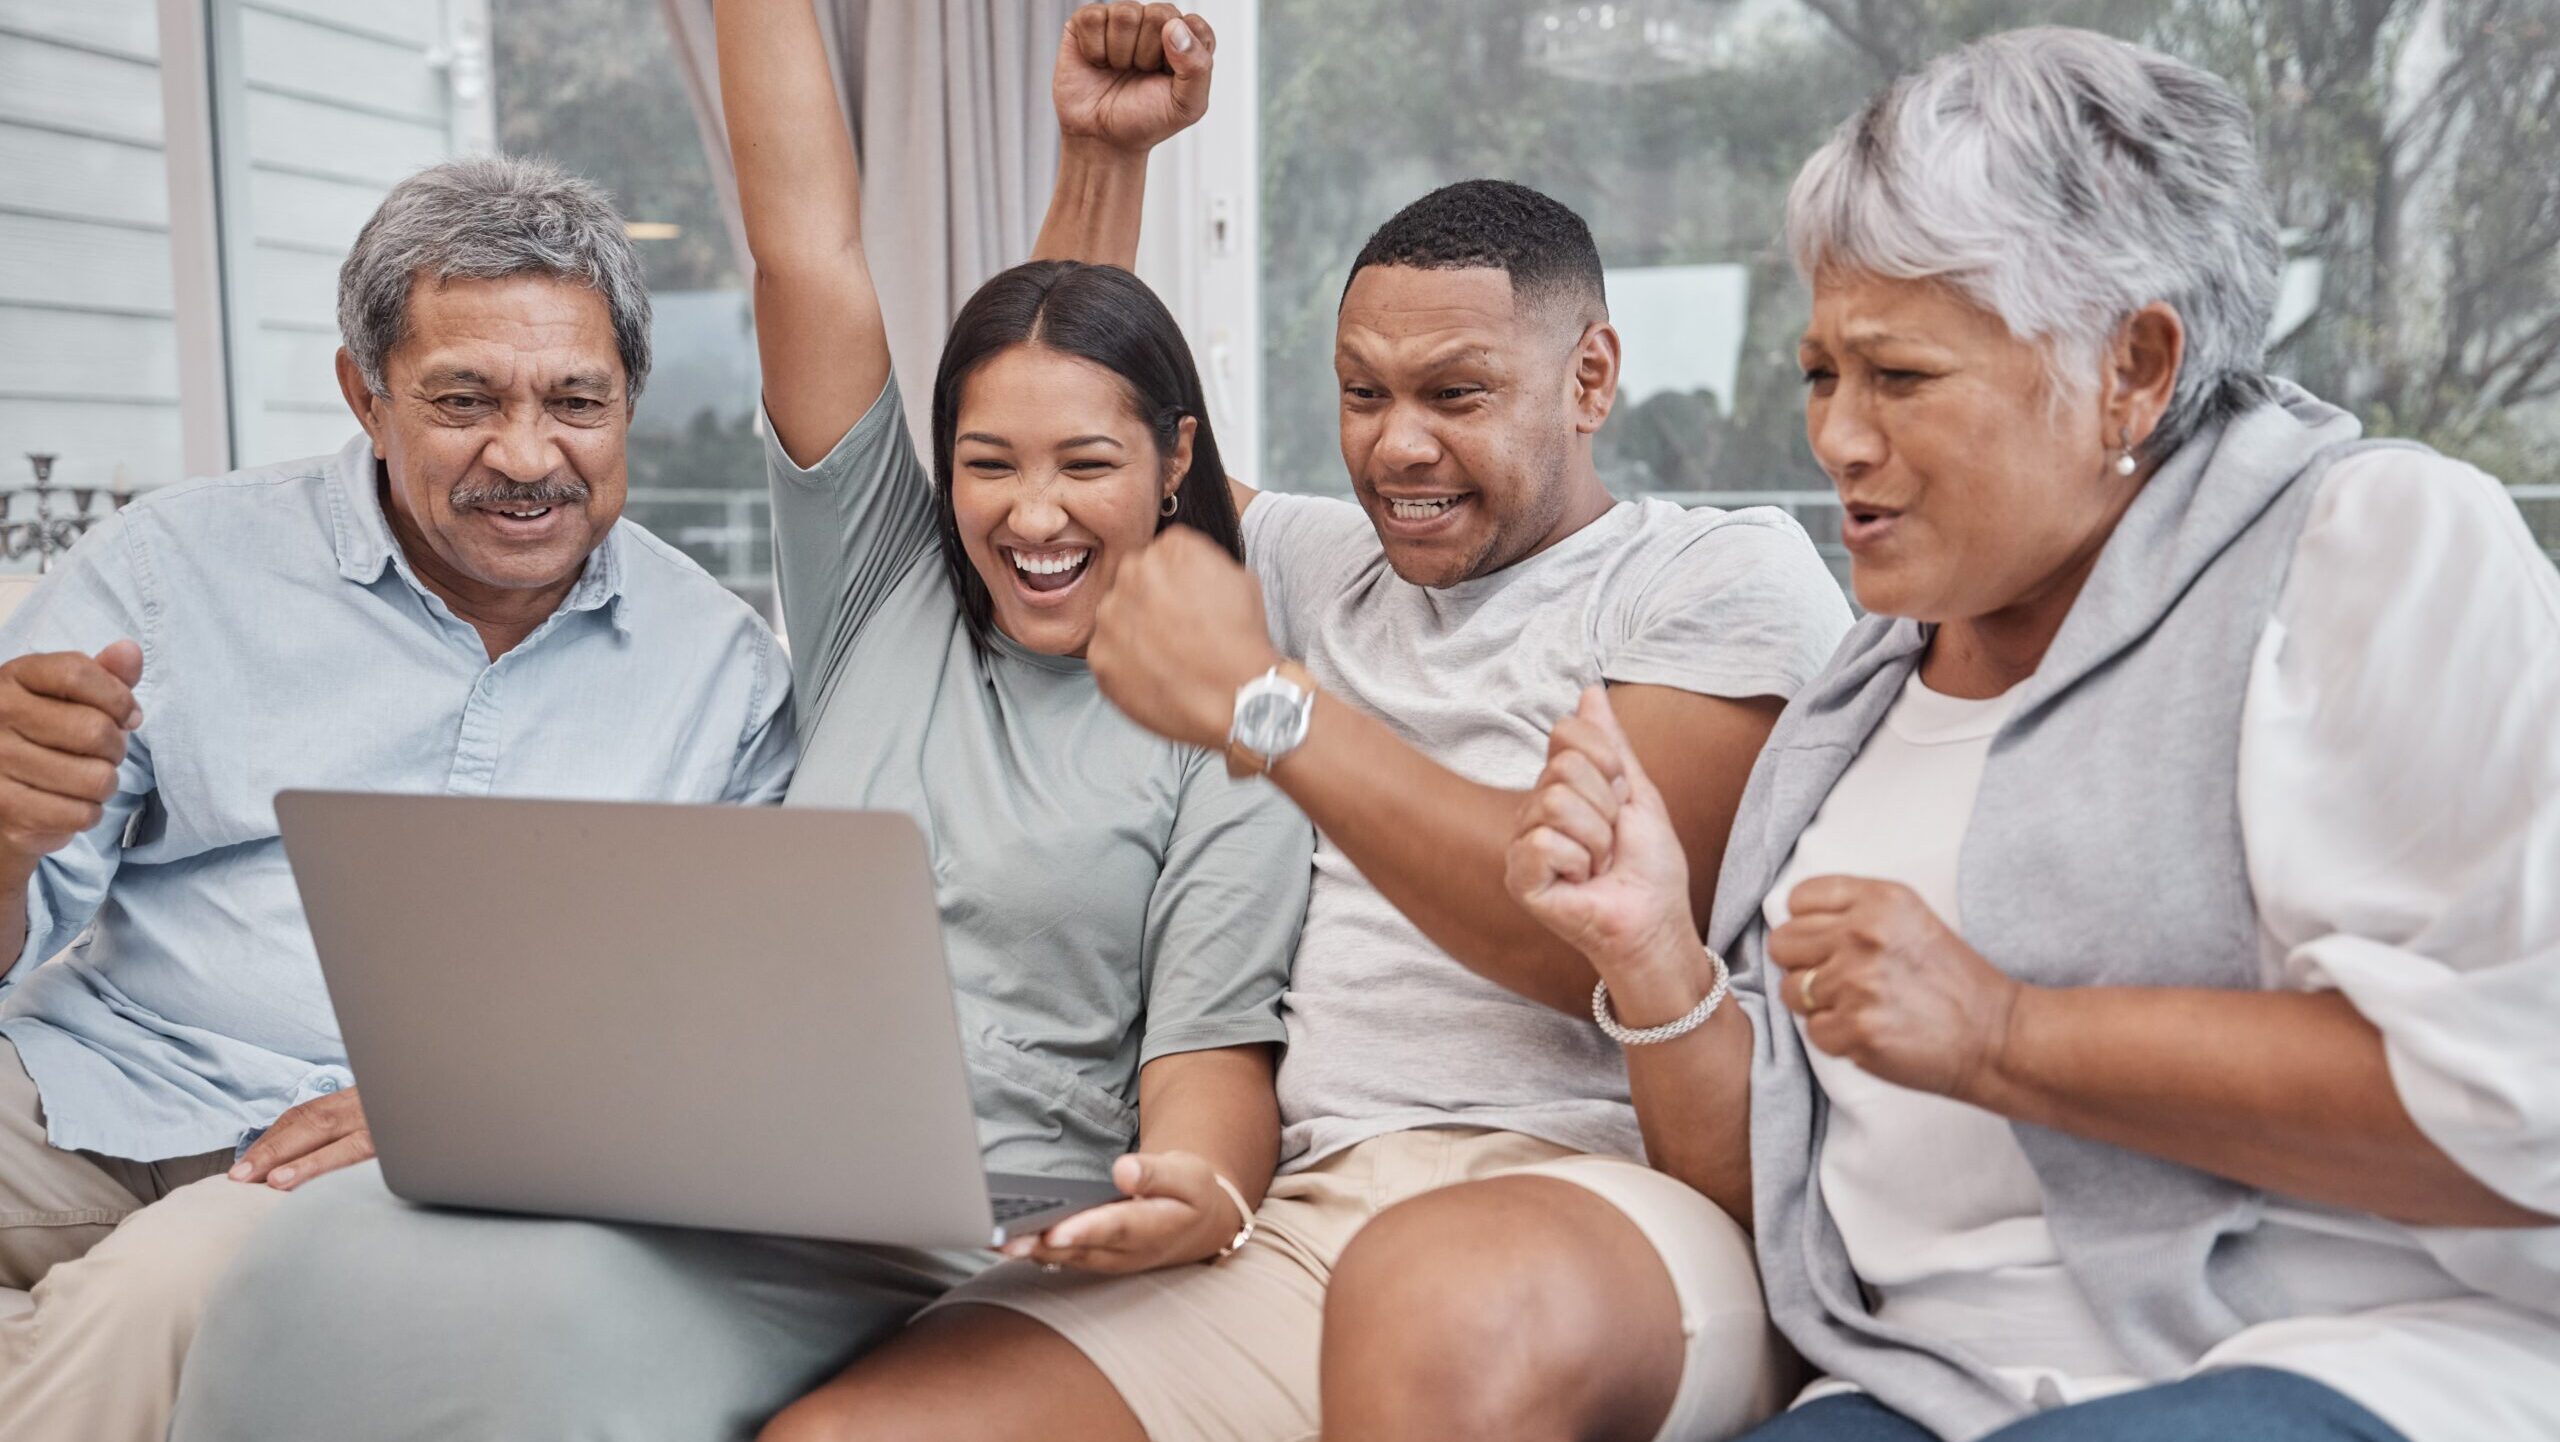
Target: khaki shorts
(1228,1353)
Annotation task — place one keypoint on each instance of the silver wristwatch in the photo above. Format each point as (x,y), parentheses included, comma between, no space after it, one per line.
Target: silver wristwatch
(1273,711)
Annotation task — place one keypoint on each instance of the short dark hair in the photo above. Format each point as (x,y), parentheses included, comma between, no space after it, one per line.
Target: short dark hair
(1099,313)
(1535,239)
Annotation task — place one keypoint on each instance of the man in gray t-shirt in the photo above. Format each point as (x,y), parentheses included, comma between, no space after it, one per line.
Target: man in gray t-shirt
(1387,1030)
(1394,666)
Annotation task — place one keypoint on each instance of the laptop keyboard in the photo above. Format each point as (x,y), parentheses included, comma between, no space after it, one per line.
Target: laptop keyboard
(1015,1208)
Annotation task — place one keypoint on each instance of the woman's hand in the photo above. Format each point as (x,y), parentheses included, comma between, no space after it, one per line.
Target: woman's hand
(1881,981)
(1176,1213)
(1132,76)
(1596,861)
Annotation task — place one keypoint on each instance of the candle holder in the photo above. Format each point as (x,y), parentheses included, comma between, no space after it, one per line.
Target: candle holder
(44,534)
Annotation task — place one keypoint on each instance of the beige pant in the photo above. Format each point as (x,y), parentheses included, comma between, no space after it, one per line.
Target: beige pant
(1228,1353)
(120,1256)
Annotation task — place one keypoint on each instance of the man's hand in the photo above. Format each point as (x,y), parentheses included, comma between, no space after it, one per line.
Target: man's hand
(1130,75)
(1176,1213)
(1881,981)
(317,1137)
(1182,628)
(63,722)
(1595,859)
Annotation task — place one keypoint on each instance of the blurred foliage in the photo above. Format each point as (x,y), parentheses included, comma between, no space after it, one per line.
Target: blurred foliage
(2410,145)
(707,451)
(593,85)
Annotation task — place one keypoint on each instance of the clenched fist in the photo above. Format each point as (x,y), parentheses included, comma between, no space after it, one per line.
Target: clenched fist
(1883,981)
(63,722)
(1594,857)
(1131,75)
(1180,630)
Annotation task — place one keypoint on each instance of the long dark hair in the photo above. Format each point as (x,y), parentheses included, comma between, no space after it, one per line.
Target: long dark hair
(1105,315)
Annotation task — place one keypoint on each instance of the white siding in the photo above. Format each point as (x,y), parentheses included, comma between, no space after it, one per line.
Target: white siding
(122,26)
(87,349)
(77,175)
(65,87)
(88,356)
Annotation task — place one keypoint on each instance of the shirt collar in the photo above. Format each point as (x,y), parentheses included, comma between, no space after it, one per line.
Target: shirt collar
(365,546)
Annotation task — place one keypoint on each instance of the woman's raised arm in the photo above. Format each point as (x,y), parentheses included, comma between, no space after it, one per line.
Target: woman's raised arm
(818,329)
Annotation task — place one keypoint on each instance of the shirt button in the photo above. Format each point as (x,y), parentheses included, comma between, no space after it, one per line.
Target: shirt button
(325,1085)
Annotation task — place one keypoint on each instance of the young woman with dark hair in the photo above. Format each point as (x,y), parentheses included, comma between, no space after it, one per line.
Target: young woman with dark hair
(1119,914)
(1060,313)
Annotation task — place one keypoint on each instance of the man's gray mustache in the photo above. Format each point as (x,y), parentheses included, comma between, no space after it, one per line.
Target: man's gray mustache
(540,493)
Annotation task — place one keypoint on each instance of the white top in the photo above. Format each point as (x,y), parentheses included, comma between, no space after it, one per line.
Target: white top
(2400,805)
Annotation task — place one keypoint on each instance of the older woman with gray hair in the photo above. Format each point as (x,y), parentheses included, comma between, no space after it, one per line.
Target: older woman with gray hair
(2145,944)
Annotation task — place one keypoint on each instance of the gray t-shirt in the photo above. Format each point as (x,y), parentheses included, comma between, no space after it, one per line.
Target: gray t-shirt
(1107,897)
(1386,1031)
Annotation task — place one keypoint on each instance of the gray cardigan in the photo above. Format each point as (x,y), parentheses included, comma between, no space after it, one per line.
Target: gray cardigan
(2105,849)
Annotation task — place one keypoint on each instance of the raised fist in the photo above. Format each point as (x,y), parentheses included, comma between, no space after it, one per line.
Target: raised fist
(1132,75)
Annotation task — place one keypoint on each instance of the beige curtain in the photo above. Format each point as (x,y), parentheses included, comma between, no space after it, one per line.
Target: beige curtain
(949,104)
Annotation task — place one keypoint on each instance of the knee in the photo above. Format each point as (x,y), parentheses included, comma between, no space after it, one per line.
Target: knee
(156,1272)
(349,1276)
(847,1411)
(811,1419)
(1471,1310)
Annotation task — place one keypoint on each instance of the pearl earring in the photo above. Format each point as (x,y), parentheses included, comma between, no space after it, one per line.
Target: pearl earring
(2125,463)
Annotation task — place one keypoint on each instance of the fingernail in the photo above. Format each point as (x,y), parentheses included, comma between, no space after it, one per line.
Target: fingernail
(239,1171)
(133,719)
(1178,36)
(281,1176)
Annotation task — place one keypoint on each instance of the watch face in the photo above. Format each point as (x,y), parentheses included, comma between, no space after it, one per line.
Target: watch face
(1264,722)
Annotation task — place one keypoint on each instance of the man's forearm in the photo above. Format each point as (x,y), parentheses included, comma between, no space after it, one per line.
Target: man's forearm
(1432,842)
(1096,209)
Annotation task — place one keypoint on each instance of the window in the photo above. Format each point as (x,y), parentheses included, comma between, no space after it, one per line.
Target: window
(180,178)
(2408,144)
(618,114)
(124,237)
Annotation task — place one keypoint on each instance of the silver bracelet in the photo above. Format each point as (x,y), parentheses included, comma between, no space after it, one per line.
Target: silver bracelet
(1625,1035)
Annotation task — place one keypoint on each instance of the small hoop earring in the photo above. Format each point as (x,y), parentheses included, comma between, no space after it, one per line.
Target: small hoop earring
(1172,503)
(2126,465)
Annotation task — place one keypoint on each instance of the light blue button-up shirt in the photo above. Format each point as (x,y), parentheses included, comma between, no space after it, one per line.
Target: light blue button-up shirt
(287,643)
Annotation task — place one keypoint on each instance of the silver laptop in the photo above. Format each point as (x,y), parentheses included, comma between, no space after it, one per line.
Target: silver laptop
(706,1016)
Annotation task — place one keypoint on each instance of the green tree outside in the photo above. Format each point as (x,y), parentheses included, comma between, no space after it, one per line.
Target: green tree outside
(2410,145)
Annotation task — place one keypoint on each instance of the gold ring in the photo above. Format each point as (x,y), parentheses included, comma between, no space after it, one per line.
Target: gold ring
(1804,988)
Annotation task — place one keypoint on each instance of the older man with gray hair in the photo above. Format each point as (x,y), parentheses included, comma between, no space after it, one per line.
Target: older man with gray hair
(450,603)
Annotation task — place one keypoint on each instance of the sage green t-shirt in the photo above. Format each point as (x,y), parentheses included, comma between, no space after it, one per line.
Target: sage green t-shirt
(1107,897)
